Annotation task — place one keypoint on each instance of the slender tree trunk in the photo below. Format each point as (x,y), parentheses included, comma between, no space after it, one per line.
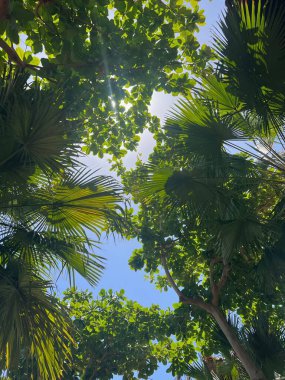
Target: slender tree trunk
(254,372)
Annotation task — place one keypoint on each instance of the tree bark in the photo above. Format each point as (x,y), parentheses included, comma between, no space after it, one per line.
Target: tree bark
(254,371)
(4,9)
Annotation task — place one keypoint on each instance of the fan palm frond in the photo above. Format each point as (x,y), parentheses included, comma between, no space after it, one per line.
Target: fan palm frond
(217,90)
(267,344)
(154,182)
(250,48)
(181,188)
(44,250)
(72,205)
(200,130)
(31,319)
(199,371)
(33,127)
(244,232)
(46,223)
(205,199)
(67,204)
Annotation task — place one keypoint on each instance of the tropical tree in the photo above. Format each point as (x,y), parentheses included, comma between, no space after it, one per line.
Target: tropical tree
(210,217)
(108,56)
(48,202)
(115,336)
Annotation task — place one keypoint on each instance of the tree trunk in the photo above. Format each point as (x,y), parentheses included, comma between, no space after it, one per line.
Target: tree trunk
(254,372)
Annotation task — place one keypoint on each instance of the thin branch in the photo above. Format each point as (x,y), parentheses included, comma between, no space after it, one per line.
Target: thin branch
(4,9)
(214,286)
(224,277)
(14,57)
(12,54)
(170,279)
(182,298)
(217,287)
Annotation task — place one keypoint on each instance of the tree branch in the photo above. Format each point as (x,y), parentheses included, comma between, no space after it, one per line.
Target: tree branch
(4,9)
(12,54)
(224,277)
(182,298)
(217,287)
(14,57)
(170,278)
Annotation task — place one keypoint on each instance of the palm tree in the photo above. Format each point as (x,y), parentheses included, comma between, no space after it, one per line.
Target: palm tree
(48,202)
(243,100)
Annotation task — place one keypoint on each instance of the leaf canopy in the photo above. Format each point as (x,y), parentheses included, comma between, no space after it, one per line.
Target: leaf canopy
(108,57)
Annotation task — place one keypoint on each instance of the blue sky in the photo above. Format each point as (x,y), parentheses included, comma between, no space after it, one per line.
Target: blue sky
(117,274)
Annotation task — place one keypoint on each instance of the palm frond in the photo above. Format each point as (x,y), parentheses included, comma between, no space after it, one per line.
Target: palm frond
(67,204)
(71,205)
(215,89)
(266,341)
(31,320)
(181,188)
(44,250)
(200,130)
(250,47)
(244,233)
(154,182)
(33,127)
(198,371)
(45,223)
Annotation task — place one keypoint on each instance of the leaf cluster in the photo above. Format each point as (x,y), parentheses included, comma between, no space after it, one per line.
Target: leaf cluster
(116,336)
(109,57)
